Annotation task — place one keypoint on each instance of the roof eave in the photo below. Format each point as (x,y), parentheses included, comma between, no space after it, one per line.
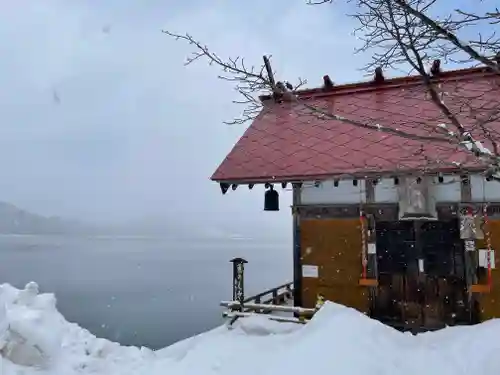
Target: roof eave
(345,176)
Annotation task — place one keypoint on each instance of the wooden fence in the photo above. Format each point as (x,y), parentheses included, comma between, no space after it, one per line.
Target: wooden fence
(274,296)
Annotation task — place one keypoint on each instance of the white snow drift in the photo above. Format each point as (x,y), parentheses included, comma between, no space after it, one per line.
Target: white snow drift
(36,339)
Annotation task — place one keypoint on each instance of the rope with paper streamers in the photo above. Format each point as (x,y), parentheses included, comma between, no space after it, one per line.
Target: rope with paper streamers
(364,257)
(488,243)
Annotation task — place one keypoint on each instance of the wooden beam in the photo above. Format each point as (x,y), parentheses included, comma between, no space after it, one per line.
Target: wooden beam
(479,288)
(297,248)
(368,282)
(263,306)
(269,70)
(282,319)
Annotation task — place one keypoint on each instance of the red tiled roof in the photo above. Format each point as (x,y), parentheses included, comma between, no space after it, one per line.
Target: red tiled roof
(288,143)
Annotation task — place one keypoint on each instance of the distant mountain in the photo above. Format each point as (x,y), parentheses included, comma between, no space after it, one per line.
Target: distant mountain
(14,220)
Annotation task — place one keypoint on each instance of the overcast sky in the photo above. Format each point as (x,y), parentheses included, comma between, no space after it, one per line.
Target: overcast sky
(100,120)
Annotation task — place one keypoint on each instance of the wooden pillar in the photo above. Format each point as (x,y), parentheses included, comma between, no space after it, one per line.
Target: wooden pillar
(469,246)
(470,253)
(297,261)
(371,240)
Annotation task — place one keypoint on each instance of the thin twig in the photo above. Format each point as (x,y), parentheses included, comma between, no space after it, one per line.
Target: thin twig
(402,33)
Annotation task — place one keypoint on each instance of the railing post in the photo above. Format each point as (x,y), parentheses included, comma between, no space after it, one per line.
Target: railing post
(275,297)
(258,301)
(238,280)
(288,292)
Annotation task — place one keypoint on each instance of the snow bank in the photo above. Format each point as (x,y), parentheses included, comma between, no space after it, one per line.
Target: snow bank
(36,339)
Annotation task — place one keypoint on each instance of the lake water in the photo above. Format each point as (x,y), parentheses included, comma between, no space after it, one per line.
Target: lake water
(141,291)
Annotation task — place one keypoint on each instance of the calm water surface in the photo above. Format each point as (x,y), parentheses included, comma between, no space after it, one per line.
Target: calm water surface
(139,291)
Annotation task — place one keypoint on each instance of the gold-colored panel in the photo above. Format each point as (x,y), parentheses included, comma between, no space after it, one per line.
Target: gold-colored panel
(334,245)
(368,282)
(489,305)
(490,302)
(352,296)
(479,288)
(310,290)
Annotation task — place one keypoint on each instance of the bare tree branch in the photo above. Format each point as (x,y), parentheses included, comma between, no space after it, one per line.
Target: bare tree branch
(248,79)
(318,2)
(400,32)
(260,81)
(446,32)
(405,34)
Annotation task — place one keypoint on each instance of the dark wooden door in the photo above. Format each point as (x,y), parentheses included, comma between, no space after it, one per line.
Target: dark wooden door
(396,274)
(443,278)
(421,275)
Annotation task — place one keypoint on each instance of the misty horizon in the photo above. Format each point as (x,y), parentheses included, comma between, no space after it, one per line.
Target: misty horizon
(103,123)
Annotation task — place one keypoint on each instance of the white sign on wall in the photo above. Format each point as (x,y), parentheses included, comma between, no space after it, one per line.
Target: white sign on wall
(483,258)
(372,248)
(421,266)
(310,271)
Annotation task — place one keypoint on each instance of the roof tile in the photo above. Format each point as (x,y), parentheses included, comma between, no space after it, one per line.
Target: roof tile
(287,142)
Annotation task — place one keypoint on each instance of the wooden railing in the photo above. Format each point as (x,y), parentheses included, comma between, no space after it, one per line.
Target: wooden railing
(268,302)
(271,300)
(274,296)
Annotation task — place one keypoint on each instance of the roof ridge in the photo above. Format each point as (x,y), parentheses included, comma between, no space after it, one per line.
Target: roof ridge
(457,74)
(389,83)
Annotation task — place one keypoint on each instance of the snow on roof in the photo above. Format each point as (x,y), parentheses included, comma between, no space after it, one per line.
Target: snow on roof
(286,142)
(35,339)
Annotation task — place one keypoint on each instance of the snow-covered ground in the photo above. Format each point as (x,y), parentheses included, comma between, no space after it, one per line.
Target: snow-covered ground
(36,339)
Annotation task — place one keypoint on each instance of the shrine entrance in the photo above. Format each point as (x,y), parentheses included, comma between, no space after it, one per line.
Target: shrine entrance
(421,272)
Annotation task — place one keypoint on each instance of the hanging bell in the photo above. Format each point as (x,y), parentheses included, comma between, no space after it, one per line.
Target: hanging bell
(271,200)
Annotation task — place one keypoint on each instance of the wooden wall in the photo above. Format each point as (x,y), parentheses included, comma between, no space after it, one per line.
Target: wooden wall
(490,302)
(334,245)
